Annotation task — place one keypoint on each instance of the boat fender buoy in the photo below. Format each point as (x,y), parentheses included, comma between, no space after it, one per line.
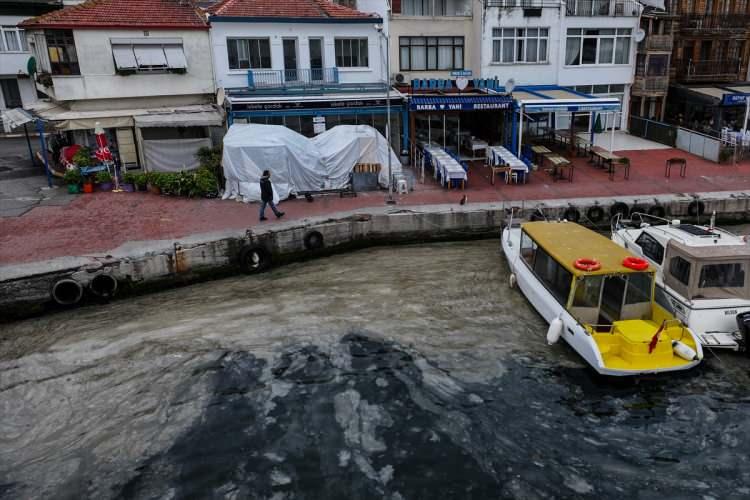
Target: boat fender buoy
(572,214)
(684,351)
(635,263)
(657,211)
(254,260)
(595,213)
(587,264)
(638,209)
(66,292)
(696,208)
(103,286)
(313,240)
(554,332)
(619,208)
(512,280)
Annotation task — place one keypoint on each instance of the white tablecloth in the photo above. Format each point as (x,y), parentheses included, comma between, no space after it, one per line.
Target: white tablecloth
(448,167)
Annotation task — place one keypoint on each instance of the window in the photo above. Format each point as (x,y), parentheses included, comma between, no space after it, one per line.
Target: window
(352,53)
(249,53)
(62,52)
(639,288)
(555,277)
(519,45)
(528,247)
(148,55)
(679,268)
(12,39)
(435,7)
(419,53)
(598,46)
(588,291)
(722,276)
(651,248)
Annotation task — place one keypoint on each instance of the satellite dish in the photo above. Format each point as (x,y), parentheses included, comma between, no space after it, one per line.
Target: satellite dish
(640,34)
(510,85)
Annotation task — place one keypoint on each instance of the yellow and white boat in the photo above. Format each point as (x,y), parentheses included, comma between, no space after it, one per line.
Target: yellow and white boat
(599,298)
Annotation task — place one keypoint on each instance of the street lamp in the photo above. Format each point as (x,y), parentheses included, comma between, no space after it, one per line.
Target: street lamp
(379,28)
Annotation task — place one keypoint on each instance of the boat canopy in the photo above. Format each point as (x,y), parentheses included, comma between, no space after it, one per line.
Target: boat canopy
(567,242)
(707,272)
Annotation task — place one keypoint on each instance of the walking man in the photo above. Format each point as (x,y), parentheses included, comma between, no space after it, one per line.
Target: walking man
(266,196)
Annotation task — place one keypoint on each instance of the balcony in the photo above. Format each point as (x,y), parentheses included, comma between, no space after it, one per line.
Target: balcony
(436,8)
(596,8)
(525,4)
(712,70)
(720,23)
(656,43)
(651,84)
(283,79)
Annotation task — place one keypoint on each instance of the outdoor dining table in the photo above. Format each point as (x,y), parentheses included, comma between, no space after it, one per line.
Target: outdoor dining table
(448,167)
(608,160)
(498,155)
(558,164)
(538,151)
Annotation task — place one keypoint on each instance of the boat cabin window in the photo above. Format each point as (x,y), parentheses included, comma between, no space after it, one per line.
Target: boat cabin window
(588,291)
(722,276)
(604,299)
(679,268)
(651,247)
(555,277)
(528,247)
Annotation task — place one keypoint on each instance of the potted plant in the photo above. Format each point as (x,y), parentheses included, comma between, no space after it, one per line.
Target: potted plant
(72,178)
(82,158)
(141,181)
(128,182)
(88,184)
(104,180)
(153,180)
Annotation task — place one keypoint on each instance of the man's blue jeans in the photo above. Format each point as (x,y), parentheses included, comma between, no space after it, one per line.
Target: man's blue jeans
(263,208)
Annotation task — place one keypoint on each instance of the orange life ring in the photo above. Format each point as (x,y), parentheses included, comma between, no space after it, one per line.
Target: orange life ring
(587,264)
(635,263)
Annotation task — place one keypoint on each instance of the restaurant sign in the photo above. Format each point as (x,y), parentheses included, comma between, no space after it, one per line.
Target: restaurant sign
(734,99)
(301,105)
(483,103)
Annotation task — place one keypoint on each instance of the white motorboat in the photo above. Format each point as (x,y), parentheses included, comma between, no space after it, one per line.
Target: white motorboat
(597,297)
(701,275)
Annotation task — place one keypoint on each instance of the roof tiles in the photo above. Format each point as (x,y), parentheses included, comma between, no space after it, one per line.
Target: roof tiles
(154,14)
(317,9)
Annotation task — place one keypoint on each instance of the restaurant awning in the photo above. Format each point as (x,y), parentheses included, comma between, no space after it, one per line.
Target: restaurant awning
(551,98)
(14,118)
(183,119)
(717,95)
(460,103)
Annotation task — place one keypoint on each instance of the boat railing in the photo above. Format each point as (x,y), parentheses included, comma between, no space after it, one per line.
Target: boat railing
(617,225)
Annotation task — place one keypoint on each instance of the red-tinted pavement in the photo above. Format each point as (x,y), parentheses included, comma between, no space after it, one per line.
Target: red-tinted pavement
(101,222)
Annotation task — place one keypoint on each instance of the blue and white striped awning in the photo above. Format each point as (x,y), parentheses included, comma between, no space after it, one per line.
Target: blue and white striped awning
(551,98)
(460,103)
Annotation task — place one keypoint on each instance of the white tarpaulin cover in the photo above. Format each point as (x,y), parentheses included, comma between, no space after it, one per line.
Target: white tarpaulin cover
(298,164)
(173,155)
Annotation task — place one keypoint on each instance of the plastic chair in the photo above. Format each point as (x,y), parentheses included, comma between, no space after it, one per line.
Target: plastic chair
(401,186)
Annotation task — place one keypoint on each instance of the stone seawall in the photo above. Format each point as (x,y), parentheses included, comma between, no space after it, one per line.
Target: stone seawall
(139,267)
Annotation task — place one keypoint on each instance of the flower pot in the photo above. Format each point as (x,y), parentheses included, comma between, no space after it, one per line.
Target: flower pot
(73,189)
(127,187)
(88,187)
(154,189)
(104,186)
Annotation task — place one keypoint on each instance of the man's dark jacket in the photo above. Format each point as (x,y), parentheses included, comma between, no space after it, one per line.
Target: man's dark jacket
(266,191)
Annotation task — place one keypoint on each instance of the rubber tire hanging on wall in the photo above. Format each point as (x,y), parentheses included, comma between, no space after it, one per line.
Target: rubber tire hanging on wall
(595,213)
(696,208)
(572,214)
(619,207)
(104,286)
(639,209)
(254,260)
(314,240)
(658,211)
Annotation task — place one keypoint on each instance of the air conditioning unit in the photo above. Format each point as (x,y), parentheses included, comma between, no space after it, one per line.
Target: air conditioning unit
(399,78)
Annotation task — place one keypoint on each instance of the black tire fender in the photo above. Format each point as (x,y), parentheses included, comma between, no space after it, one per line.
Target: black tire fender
(595,213)
(572,214)
(104,286)
(314,240)
(639,209)
(658,211)
(619,208)
(66,292)
(696,208)
(254,259)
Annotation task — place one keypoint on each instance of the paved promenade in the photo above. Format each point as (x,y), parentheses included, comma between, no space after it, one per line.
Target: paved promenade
(57,225)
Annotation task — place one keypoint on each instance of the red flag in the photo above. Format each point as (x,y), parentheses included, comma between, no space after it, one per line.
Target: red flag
(655,338)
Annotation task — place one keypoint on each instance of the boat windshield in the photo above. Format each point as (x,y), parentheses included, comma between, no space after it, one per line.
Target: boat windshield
(708,272)
(604,299)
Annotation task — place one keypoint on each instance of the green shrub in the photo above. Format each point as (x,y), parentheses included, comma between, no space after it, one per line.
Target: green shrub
(82,158)
(103,177)
(140,179)
(206,183)
(72,176)
(129,178)
(210,158)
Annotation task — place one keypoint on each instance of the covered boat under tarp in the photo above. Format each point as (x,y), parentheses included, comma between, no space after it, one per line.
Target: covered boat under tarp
(297,163)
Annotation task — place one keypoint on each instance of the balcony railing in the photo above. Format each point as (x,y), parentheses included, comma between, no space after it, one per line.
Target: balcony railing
(595,8)
(291,78)
(657,42)
(525,4)
(651,84)
(725,22)
(709,70)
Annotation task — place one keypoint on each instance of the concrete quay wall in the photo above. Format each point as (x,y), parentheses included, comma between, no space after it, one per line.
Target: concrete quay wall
(139,267)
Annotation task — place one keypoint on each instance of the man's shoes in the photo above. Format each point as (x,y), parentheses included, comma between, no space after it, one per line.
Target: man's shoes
(263,218)
(280,215)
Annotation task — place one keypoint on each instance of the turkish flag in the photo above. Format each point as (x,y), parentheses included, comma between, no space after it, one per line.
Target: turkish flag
(655,338)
